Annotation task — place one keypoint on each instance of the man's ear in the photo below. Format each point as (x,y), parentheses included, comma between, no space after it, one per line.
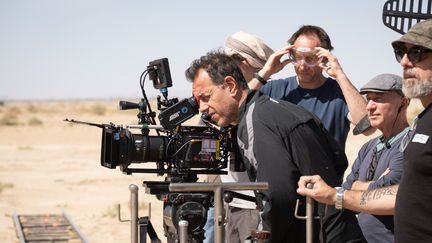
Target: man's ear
(231,84)
(405,102)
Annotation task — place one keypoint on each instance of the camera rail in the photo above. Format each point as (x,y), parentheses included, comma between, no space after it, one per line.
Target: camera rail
(47,228)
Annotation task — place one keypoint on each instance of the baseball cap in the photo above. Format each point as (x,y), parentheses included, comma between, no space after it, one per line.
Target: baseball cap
(382,83)
(420,35)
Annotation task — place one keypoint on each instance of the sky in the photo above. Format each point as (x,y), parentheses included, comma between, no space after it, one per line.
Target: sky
(98,49)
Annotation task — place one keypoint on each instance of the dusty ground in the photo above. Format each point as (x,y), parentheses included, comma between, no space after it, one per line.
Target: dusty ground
(47,165)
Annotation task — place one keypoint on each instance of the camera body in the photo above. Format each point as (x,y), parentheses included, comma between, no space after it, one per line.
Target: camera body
(178,151)
(188,149)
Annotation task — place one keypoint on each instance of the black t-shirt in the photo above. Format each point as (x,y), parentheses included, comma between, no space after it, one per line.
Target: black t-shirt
(413,214)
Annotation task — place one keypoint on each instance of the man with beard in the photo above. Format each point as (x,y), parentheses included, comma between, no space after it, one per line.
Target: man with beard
(410,200)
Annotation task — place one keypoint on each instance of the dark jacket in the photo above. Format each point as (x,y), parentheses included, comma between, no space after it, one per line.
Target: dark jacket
(283,141)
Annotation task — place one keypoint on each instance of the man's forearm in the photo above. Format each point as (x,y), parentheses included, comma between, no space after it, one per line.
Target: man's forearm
(380,201)
(356,103)
(360,185)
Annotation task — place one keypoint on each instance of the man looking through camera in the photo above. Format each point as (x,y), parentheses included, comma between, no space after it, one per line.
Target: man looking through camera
(280,141)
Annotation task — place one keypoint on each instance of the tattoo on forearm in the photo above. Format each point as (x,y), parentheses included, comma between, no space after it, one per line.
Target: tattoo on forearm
(377,194)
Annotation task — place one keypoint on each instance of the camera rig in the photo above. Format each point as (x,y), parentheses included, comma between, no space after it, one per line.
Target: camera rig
(180,152)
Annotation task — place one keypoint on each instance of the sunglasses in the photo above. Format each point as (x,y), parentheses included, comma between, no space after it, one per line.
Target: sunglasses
(307,55)
(415,54)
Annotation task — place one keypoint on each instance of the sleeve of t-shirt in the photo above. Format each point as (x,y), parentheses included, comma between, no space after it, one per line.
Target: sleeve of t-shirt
(353,175)
(355,169)
(276,88)
(396,167)
(266,89)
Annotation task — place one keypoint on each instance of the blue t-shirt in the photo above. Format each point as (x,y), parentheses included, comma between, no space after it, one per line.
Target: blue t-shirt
(326,102)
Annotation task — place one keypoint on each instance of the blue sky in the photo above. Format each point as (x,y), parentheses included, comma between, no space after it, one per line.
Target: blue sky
(51,49)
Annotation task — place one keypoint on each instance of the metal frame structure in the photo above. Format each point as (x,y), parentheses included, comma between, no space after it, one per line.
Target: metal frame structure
(401,15)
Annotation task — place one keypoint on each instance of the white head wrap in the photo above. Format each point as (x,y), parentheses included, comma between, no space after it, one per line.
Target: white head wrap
(250,47)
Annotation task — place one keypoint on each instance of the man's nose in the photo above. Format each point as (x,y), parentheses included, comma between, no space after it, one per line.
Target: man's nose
(203,107)
(405,61)
(302,64)
(370,105)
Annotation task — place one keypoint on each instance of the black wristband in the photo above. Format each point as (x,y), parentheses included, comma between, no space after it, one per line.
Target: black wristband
(259,78)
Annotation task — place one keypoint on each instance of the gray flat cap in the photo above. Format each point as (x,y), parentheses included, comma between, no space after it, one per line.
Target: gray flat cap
(382,83)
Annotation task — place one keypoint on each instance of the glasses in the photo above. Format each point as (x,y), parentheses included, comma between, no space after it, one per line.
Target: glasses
(307,55)
(408,136)
(415,54)
(374,163)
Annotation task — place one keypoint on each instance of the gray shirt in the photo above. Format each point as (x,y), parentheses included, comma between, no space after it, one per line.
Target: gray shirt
(379,229)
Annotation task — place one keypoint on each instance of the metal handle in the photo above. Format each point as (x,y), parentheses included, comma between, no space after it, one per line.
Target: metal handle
(309,215)
(183,231)
(134,212)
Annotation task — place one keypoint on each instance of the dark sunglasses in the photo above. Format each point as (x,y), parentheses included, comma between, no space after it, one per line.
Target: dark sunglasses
(415,54)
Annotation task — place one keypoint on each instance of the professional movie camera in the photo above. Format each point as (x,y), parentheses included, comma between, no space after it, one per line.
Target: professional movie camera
(179,152)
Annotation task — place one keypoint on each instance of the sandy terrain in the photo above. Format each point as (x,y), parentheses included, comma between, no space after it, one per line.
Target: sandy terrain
(47,165)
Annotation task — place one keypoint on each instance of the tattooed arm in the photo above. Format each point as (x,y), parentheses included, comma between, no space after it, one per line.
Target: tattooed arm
(379,201)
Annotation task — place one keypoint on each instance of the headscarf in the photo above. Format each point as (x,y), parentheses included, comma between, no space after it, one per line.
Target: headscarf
(250,47)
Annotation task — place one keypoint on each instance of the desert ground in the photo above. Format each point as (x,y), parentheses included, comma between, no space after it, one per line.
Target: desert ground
(47,165)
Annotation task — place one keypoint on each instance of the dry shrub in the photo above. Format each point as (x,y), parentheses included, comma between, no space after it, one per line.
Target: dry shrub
(34,121)
(10,116)
(27,147)
(98,109)
(111,212)
(5,186)
(32,108)
(9,120)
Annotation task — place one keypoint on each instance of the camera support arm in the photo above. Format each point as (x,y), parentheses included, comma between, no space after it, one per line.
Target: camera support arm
(218,190)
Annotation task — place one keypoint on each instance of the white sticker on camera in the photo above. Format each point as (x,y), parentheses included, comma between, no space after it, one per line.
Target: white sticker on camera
(420,138)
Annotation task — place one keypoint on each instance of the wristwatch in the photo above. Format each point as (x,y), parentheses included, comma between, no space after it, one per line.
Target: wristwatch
(339,197)
(259,78)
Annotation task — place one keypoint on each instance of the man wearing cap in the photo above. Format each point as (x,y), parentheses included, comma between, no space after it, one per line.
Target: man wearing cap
(380,162)
(410,200)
